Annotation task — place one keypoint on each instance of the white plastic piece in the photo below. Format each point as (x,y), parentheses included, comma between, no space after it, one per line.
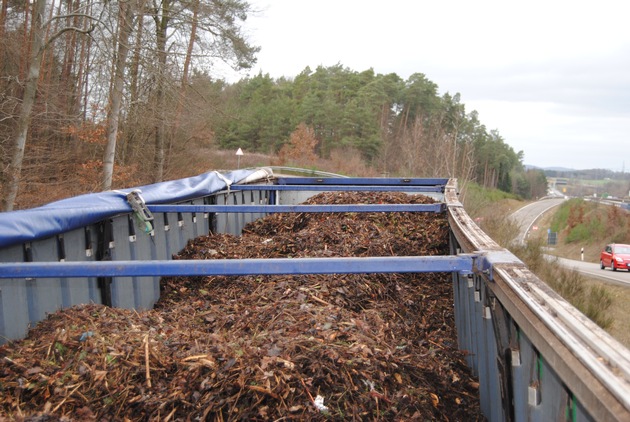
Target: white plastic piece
(533,395)
(319,404)
(487,314)
(516,357)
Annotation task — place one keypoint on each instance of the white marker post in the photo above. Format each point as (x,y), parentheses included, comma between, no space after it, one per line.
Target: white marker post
(239,152)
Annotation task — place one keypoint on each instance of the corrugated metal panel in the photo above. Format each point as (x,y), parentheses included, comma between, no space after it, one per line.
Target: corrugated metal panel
(527,370)
(25,302)
(14,317)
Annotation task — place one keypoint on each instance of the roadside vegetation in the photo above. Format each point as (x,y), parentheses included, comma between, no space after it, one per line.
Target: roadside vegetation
(593,299)
(491,210)
(591,225)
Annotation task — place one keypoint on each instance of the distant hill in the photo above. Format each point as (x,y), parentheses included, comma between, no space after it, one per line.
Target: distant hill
(593,174)
(560,169)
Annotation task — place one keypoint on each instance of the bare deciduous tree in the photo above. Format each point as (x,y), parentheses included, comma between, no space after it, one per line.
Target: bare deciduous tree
(28,99)
(37,47)
(125,26)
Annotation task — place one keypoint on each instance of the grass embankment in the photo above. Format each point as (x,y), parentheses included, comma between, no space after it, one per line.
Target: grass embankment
(592,225)
(588,225)
(579,225)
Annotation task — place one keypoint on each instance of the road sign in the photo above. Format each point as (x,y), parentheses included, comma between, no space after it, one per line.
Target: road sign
(239,152)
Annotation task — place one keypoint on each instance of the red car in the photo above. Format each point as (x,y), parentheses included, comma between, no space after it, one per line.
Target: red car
(616,256)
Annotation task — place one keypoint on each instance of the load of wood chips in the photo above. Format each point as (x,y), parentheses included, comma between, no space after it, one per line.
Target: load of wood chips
(288,347)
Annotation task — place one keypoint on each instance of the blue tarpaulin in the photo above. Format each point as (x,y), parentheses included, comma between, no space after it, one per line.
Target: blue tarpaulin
(61,216)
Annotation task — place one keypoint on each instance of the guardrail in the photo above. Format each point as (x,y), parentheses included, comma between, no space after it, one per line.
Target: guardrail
(537,357)
(534,352)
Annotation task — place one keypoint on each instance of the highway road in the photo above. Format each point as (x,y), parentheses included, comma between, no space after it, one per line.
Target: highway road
(527,216)
(592,270)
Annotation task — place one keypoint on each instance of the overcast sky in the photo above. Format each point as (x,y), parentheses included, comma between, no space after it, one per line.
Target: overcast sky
(552,76)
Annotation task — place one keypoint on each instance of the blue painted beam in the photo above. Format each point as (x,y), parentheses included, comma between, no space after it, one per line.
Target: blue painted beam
(435,208)
(367,181)
(406,264)
(349,188)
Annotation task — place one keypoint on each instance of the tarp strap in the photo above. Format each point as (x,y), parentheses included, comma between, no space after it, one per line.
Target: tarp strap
(228,182)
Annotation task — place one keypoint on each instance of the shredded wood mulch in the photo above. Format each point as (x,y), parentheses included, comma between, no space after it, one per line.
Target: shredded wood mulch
(289,347)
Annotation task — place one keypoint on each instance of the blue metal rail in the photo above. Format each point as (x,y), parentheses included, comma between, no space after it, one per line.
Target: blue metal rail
(363,181)
(435,208)
(410,264)
(342,187)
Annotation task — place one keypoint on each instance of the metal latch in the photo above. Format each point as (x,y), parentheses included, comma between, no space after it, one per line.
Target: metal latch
(141,212)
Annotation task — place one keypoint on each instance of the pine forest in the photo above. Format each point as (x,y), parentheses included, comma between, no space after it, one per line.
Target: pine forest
(98,95)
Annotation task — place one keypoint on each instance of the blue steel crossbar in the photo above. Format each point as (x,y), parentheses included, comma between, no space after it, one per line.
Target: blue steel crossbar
(435,208)
(405,264)
(365,181)
(348,188)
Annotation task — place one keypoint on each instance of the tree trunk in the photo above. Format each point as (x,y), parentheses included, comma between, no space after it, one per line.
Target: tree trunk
(82,71)
(125,16)
(68,84)
(28,99)
(47,67)
(187,60)
(191,44)
(132,117)
(26,43)
(3,19)
(162,23)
